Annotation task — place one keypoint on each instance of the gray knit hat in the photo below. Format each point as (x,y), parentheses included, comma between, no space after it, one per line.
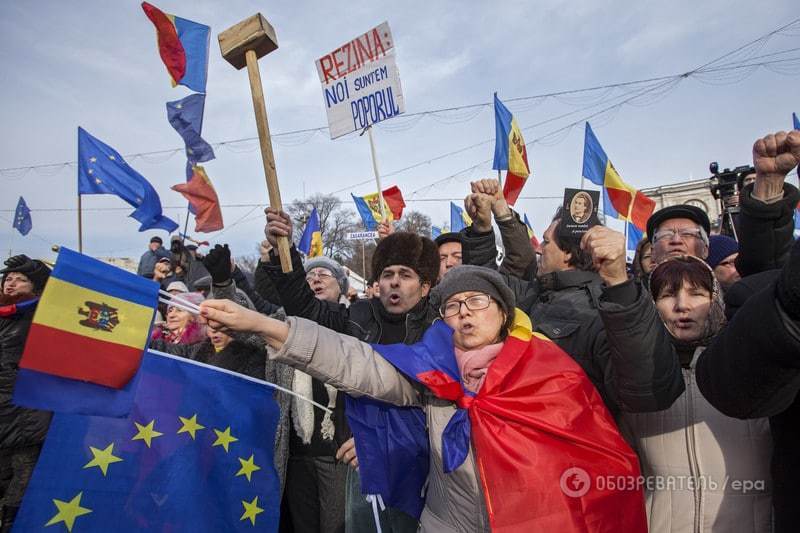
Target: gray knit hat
(335,268)
(464,278)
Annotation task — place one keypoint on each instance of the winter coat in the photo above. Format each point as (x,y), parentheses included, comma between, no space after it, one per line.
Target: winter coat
(480,248)
(19,427)
(147,263)
(698,463)
(765,231)
(752,370)
(565,306)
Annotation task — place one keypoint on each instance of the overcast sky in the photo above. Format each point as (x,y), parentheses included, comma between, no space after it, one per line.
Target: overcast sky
(95,64)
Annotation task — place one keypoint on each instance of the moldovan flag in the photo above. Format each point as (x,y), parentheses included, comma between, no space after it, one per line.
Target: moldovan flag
(183,46)
(311,241)
(204,201)
(510,153)
(369,207)
(459,219)
(532,234)
(620,200)
(92,323)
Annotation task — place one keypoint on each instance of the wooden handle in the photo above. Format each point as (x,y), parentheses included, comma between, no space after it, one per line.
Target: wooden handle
(267,157)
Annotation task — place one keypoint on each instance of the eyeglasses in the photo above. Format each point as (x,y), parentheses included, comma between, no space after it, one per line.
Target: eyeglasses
(322,276)
(473,303)
(684,233)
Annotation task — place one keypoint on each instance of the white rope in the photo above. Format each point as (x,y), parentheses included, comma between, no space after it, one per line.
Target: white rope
(376,500)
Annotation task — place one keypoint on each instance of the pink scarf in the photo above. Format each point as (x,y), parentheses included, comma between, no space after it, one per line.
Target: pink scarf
(473,364)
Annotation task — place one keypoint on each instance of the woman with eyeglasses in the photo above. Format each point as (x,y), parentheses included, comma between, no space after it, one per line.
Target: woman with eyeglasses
(517,436)
(181,326)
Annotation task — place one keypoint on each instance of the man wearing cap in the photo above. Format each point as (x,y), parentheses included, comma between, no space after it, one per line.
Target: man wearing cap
(149,259)
(405,266)
(22,431)
(449,251)
(722,253)
(678,230)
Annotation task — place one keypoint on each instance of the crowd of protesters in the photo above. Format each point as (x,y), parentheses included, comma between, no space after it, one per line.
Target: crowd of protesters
(688,359)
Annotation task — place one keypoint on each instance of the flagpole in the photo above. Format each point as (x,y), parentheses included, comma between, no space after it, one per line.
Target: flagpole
(364,265)
(80,226)
(377,174)
(185,225)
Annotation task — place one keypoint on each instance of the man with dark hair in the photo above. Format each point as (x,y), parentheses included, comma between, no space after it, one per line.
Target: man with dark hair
(405,266)
(566,297)
(449,251)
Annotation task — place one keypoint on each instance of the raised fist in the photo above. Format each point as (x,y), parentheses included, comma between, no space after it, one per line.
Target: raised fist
(773,157)
(607,248)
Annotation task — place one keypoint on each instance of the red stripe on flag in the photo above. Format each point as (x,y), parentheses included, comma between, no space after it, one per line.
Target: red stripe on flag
(620,199)
(643,207)
(512,187)
(394,200)
(66,354)
(170,47)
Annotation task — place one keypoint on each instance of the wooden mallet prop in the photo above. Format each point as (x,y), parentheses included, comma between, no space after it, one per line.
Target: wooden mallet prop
(242,44)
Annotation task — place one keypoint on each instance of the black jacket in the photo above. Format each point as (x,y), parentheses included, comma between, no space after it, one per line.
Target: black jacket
(19,427)
(765,231)
(571,306)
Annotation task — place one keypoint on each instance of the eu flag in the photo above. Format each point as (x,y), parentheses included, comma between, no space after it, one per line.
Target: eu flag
(195,454)
(102,170)
(22,217)
(186,116)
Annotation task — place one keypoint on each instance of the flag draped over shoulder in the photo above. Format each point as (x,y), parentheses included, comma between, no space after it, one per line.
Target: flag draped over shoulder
(91,325)
(183,47)
(368,207)
(195,454)
(102,170)
(311,241)
(620,200)
(186,116)
(537,399)
(459,219)
(203,199)
(510,153)
(22,217)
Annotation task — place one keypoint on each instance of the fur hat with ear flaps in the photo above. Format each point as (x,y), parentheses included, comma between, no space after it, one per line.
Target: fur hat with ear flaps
(408,249)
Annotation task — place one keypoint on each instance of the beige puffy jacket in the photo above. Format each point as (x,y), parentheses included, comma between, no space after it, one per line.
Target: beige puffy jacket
(454,502)
(705,472)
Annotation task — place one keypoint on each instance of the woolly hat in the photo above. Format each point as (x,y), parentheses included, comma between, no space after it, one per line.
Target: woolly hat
(407,249)
(463,278)
(720,247)
(33,269)
(334,267)
(156,239)
(178,286)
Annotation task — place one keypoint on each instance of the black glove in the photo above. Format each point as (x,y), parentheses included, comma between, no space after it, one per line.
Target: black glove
(218,264)
(19,263)
(788,289)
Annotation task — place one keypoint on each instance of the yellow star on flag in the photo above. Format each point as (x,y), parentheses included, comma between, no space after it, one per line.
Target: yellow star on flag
(190,425)
(69,511)
(146,433)
(248,467)
(102,458)
(224,438)
(251,510)
(92,159)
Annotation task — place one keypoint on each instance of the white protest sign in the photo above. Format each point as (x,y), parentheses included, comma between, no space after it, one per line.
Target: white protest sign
(360,82)
(362,236)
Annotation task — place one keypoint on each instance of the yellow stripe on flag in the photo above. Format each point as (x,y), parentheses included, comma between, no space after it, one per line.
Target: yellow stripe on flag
(316,245)
(64,305)
(374,203)
(614,181)
(517,164)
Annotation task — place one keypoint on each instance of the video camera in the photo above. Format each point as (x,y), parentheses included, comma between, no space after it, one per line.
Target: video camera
(725,187)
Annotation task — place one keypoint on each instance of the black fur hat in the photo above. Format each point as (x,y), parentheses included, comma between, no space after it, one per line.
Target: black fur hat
(408,249)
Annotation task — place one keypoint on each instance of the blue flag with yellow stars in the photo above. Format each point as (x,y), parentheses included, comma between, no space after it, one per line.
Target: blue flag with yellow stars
(195,454)
(186,116)
(102,170)
(22,217)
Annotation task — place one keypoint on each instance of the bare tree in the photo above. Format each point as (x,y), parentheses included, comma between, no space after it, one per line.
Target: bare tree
(335,222)
(415,222)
